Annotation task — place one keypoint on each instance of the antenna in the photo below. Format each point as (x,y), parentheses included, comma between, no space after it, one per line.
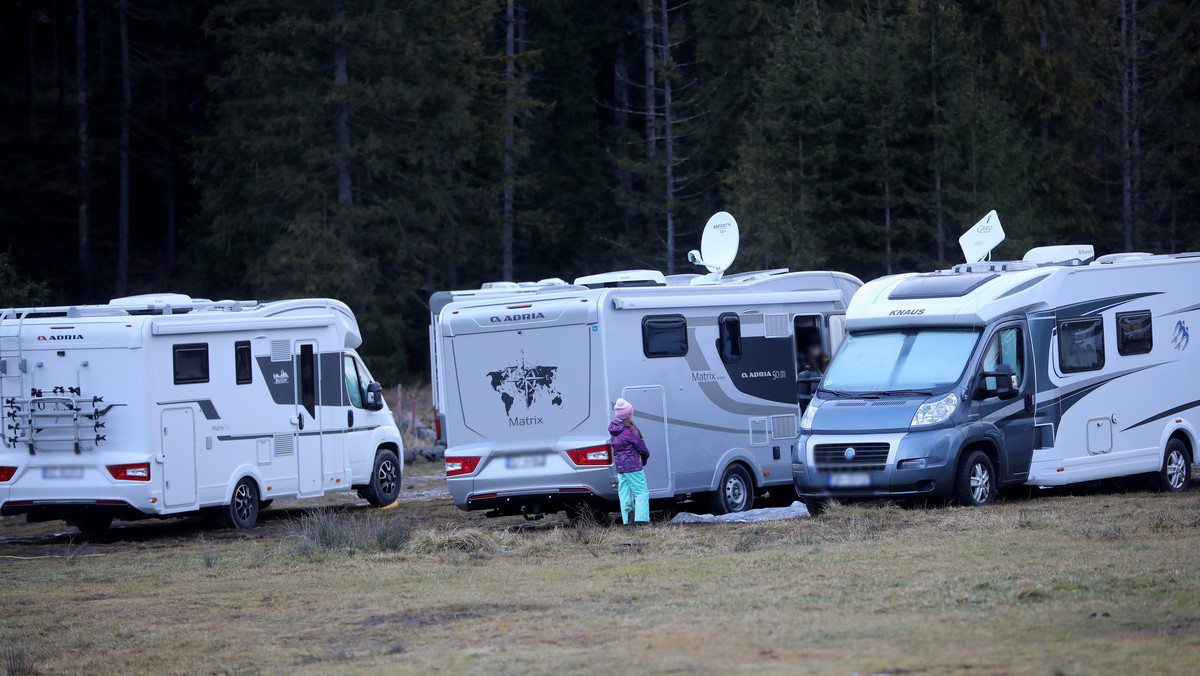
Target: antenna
(978,242)
(718,247)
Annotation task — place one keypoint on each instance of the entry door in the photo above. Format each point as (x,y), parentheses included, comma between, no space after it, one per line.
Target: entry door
(1014,417)
(650,414)
(178,457)
(308,417)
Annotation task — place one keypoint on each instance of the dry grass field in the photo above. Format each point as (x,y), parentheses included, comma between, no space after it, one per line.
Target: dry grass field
(1093,583)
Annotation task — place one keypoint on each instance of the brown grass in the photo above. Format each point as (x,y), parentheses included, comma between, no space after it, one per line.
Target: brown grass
(1093,584)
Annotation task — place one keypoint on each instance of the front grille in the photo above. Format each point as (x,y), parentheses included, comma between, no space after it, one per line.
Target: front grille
(868,457)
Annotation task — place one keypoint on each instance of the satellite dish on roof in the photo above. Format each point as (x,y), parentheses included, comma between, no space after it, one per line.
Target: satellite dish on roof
(978,242)
(718,247)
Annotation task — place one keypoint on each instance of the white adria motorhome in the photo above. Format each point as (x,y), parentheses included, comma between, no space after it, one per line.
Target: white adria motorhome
(710,363)
(1047,371)
(164,405)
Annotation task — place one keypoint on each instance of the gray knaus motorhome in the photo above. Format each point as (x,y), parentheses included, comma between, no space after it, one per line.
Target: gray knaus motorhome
(710,364)
(163,405)
(1046,371)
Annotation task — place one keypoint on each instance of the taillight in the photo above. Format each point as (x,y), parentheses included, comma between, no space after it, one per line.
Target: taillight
(135,472)
(456,466)
(437,427)
(7,473)
(592,455)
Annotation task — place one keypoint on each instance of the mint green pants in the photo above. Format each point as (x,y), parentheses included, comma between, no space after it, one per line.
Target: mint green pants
(635,497)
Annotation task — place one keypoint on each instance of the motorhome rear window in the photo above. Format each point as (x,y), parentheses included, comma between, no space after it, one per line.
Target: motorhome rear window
(664,336)
(940,286)
(242,362)
(1081,345)
(729,340)
(1135,333)
(191,363)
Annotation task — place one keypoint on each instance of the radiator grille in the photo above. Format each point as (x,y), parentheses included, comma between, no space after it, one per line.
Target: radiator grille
(281,350)
(285,444)
(783,426)
(868,457)
(776,326)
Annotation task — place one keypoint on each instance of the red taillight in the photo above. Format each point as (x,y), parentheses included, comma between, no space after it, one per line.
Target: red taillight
(592,455)
(456,466)
(135,472)
(574,490)
(7,473)
(437,427)
(481,496)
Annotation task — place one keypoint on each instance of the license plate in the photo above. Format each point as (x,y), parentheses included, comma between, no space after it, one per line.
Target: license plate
(525,461)
(849,480)
(62,472)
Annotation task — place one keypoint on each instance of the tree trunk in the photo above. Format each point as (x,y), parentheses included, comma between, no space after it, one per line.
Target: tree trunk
(168,160)
(621,122)
(1135,107)
(668,138)
(648,73)
(1044,115)
(1126,124)
(510,76)
(60,66)
(341,121)
(123,210)
(937,160)
(84,262)
(31,81)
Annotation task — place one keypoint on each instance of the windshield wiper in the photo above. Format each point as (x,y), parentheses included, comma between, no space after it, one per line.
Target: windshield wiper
(894,393)
(839,393)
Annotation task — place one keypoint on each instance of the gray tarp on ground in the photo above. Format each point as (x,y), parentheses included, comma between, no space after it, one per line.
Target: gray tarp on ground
(752,516)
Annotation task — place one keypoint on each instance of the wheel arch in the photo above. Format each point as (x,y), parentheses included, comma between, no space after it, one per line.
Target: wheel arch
(989,448)
(736,456)
(243,472)
(1185,433)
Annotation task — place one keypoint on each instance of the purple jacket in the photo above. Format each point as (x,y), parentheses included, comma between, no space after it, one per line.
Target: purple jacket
(629,450)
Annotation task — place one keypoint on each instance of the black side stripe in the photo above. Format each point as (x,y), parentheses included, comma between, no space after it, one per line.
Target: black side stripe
(243,437)
(1164,414)
(206,407)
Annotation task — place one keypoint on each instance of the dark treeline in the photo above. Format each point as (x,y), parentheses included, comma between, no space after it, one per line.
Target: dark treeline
(379,150)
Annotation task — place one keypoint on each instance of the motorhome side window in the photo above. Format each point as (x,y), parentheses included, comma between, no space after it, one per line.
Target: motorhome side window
(353,382)
(242,362)
(729,342)
(191,363)
(664,336)
(1134,333)
(1081,345)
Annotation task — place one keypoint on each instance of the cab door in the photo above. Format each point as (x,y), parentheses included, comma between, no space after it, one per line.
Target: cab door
(308,417)
(1014,418)
(360,422)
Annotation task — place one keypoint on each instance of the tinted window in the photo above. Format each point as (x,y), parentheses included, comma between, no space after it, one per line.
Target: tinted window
(729,342)
(353,382)
(242,362)
(1134,333)
(308,379)
(1081,345)
(664,336)
(191,364)
(1006,348)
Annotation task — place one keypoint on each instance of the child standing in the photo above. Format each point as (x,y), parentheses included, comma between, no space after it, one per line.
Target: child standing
(629,457)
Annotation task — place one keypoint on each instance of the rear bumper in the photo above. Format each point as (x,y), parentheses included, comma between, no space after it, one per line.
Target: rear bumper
(55,509)
(502,482)
(529,504)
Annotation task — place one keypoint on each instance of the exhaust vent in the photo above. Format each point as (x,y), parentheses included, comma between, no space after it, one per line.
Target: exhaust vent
(285,444)
(281,350)
(783,426)
(776,326)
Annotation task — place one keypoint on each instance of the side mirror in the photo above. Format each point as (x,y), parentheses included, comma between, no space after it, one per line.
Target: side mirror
(374,400)
(1002,383)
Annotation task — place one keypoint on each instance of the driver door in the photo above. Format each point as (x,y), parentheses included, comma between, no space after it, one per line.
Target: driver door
(1010,345)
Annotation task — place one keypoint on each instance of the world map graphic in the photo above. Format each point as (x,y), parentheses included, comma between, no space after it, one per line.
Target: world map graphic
(526,383)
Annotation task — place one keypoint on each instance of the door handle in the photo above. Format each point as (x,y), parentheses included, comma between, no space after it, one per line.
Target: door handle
(1029,402)
(350,418)
(298,421)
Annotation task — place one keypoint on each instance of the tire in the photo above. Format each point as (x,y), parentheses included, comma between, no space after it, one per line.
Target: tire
(1175,475)
(975,482)
(735,493)
(92,524)
(816,506)
(385,480)
(242,510)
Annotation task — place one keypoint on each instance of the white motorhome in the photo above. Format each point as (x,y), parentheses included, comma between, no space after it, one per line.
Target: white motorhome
(1051,370)
(711,365)
(162,405)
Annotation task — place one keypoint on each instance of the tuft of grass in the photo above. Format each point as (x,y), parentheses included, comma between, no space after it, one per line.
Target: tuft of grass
(473,541)
(325,530)
(19,662)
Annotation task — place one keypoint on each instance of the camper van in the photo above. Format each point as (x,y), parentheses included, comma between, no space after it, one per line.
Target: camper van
(162,405)
(714,366)
(1051,370)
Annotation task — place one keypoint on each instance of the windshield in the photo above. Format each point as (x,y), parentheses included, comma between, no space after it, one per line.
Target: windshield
(913,359)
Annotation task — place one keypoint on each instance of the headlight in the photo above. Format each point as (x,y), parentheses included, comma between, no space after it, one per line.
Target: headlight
(934,412)
(806,420)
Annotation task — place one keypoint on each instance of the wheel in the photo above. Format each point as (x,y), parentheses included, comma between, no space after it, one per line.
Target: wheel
(242,510)
(816,506)
(735,493)
(92,524)
(385,480)
(975,484)
(1175,475)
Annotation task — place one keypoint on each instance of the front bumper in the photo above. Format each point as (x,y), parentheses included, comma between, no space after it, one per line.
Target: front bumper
(936,448)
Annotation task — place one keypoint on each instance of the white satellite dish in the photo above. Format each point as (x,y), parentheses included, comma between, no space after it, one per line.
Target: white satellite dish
(978,242)
(718,247)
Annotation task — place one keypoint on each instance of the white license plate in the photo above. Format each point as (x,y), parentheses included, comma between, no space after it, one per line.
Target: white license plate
(849,480)
(62,472)
(525,461)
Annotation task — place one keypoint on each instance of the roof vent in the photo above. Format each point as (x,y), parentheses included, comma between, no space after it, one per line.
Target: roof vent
(153,303)
(1068,255)
(623,278)
(1122,258)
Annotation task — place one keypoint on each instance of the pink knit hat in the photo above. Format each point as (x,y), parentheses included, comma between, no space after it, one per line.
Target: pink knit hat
(623,409)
